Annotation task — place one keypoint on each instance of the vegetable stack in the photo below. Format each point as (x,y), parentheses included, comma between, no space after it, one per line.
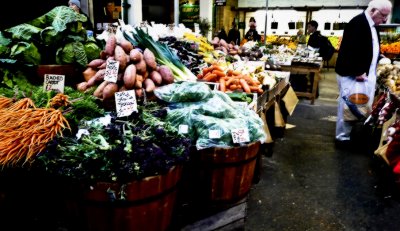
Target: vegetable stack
(26,130)
(137,70)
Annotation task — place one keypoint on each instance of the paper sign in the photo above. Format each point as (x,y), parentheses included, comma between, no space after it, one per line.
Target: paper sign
(240,135)
(214,134)
(243,105)
(54,82)
(111,74)
(183,129)
(125,103)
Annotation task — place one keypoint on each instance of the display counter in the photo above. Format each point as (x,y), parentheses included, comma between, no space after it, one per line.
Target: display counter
(303,68)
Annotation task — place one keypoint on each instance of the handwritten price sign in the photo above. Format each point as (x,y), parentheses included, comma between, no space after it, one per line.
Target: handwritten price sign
(125,103)
(54,82)
(240,135)
(111,74)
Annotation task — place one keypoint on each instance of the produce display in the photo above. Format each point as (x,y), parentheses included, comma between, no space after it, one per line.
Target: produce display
(112,149)
(230,80)
(54,38)
(137,70)
(204,111)
(388,75)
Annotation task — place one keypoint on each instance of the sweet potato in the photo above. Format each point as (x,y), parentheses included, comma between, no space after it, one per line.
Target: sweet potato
(88,73)
(103,54)
(125,44)
(156,77)
(139,93)
(120,56)
(139,81)
(135,55)
(166,74)
(95,63)
(149,85)
(99,76)
(109,90)
(103,66)
(82,87)
(122,88)
(99,90)
(150,59)
(141,67)
(110,45)
(130,76)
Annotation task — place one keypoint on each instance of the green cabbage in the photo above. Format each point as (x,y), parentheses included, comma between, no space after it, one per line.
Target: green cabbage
(72,53)
(26,53)
(59,18)
(23,32)
(92,50)
(49,36)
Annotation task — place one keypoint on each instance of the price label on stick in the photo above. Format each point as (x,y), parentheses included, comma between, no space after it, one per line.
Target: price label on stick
(111,74)
(125,103)
(240,135)
(54,82)
(214,134)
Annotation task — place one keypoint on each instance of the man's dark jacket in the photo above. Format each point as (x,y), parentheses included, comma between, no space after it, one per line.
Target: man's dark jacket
(355,53)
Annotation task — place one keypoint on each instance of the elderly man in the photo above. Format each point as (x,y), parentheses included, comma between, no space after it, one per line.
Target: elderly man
(358,58)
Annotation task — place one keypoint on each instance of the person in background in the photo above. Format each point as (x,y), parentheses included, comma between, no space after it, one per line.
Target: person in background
(234,35)
(222,34)
(314,39)
(358,58)
(252,34)
(76,5)
(301,38)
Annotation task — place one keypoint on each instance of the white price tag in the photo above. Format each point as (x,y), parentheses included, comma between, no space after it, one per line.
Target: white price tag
(111,74)
(214,134)
(125,103)
(183,129)
(54,82)
(240,135)
(243,105)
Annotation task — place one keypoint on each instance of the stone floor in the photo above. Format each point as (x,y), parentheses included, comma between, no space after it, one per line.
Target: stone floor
(309,184)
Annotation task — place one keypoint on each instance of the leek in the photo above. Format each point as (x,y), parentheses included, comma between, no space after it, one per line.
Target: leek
(163,54)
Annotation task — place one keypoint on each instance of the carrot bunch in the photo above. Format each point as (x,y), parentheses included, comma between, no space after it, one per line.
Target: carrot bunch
(26,130)
(230,80)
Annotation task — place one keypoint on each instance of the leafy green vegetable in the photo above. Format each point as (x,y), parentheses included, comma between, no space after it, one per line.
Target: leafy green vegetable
(215,112)
(23,32)
(240,96)
(92,50)
(4,45)
(162,53)
(59,18)
(119,151)
(183,92)
(50,37)
(73,52)
(26,52)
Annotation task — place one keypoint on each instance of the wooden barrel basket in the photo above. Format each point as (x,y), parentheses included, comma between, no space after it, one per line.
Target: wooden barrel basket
(148,206)
(225,174)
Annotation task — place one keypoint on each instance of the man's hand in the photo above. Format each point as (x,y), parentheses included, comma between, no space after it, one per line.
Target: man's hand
(362,78)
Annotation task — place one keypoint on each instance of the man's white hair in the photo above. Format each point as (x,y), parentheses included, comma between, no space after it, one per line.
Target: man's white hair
(379,5)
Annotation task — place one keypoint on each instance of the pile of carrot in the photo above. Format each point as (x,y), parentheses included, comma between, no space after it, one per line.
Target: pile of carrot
(26,130)
(230,80)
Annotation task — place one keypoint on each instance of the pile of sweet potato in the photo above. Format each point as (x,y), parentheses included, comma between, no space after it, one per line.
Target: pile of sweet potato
(137,71)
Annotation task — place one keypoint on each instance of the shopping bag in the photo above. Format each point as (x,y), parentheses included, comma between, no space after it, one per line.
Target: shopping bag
(278,117)
(356,98)
(382,147)
(290,100)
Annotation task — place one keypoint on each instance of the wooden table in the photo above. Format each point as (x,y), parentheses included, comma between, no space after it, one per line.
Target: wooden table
(306,69)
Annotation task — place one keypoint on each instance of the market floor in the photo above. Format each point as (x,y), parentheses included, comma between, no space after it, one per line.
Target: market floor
(309,184)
